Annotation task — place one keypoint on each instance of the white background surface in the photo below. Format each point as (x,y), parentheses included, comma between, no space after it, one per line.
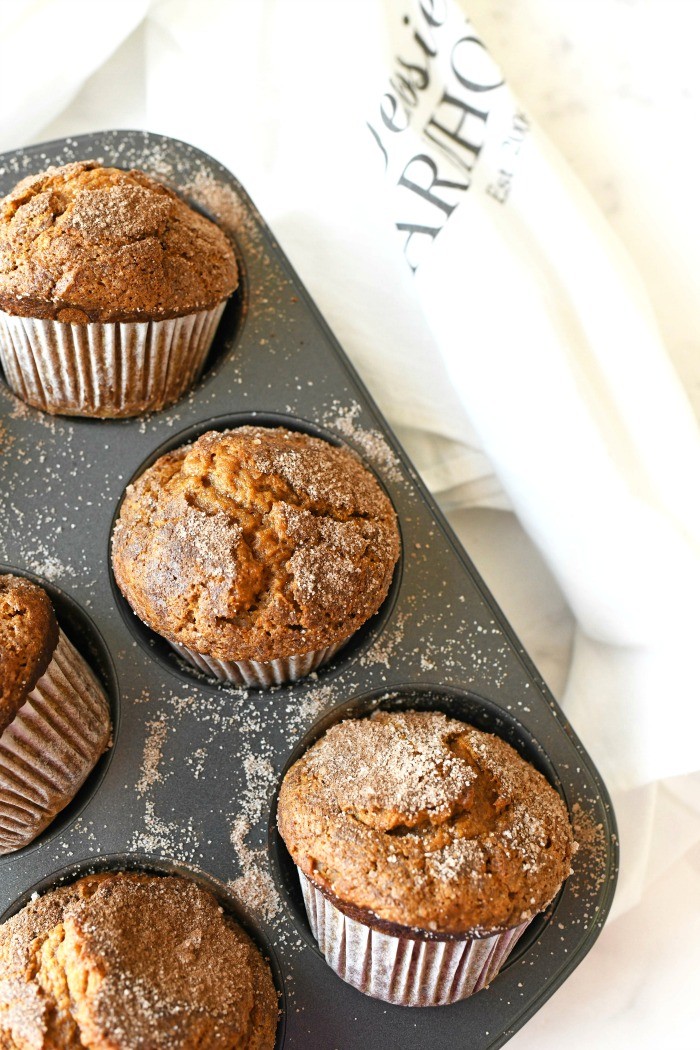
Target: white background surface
(615,86)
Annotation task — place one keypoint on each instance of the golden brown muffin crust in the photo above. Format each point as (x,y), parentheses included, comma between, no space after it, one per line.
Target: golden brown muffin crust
(421,821)
(83,243)
(255,543)
(28,637)
(125,961)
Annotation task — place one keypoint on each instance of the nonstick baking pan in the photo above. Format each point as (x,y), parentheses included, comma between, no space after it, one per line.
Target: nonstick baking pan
(190,782)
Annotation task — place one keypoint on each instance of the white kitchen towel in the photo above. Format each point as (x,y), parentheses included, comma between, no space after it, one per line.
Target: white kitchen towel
(554,353)
(48,50)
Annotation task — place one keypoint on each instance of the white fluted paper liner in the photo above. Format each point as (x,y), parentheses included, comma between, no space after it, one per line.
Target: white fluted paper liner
(404,971)
(259,674)
(109,370)
(50,746)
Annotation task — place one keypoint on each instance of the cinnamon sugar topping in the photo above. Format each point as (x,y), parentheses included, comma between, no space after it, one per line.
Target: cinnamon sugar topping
(255,543)
(28,638)
(417,777)
(413,819)
(128,960)
(82,243)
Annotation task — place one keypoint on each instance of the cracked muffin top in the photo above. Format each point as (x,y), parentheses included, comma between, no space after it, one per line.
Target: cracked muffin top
(415,821)
(124,960)
(255,544)
(28,637)
(83,243)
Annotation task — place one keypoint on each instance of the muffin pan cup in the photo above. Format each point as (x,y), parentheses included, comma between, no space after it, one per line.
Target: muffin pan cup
(405,971)
(260,674)
(51,746)
(134,862)
(194,768)
(248,674)
(105,370)
(405,967)
(55,751)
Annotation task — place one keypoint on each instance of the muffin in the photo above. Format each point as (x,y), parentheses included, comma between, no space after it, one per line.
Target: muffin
(111,289)
(126,960)
(424,849)
(54,717)
(256,552)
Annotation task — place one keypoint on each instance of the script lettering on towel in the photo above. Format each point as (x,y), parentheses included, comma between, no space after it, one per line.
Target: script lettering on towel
(446,104)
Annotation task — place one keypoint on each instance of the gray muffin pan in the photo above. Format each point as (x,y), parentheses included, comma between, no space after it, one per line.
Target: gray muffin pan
(191,780)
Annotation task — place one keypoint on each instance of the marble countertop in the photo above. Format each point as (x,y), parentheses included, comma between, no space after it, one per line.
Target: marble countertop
(615,84)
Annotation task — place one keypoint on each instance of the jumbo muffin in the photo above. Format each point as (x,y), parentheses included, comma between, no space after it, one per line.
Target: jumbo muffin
(111,289)
(54,717)
(126,961)
(256,552)
(425,847)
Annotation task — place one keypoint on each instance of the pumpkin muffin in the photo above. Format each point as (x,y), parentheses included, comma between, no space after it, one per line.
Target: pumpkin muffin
(256,552)
(111,289)
(54,717)
(126,961)
(424,844)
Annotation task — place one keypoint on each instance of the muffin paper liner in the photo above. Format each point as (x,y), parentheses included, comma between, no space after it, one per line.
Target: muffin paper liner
(50,746)
(258,674)
(111,370)
(404,971)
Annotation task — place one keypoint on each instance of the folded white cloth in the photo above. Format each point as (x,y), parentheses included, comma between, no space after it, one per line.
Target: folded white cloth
(554,352)
(520,364)
(49,49)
